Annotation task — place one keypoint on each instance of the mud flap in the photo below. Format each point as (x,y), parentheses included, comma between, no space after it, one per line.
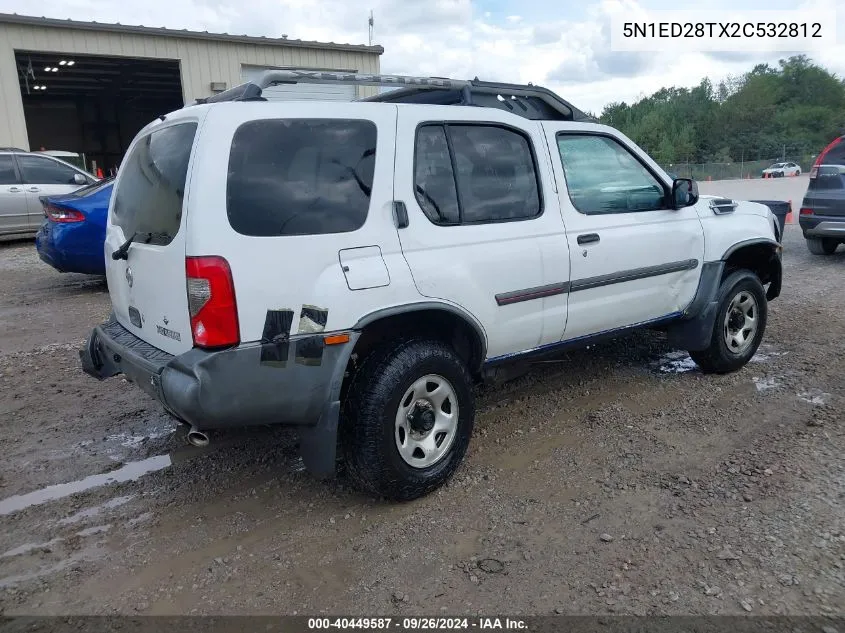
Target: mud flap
(694,334)
(777,278)
(694,331)
(93,363)
(318,443)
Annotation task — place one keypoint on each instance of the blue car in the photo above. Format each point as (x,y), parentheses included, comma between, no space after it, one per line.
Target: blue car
(74,230)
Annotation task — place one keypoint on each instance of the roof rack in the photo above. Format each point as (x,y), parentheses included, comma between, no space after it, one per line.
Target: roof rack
(529,101)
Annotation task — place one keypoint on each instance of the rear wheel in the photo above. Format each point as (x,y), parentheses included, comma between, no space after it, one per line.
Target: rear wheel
(407,419)
(739,325)
(822,245)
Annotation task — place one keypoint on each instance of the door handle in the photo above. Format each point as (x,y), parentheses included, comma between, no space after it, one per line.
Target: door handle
(588,238)
(14,189)
(33,189)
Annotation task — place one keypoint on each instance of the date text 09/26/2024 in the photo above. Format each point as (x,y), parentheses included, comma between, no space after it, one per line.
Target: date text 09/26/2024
(417,624)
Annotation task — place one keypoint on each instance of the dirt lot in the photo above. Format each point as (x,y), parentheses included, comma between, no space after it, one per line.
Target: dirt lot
(615,480)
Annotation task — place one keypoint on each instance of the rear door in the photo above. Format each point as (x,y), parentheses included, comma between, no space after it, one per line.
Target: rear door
(484,231)
(633,258)
(43,176)
(13,213)
(147,288)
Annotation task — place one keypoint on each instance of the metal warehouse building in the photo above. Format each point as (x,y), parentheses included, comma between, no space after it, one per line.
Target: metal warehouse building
(88,88)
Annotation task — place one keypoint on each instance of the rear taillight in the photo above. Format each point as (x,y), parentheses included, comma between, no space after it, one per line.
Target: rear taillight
(806,211)
(61,214)
(211,302)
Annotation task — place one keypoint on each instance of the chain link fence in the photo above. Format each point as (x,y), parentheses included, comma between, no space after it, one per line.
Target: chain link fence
(733,171)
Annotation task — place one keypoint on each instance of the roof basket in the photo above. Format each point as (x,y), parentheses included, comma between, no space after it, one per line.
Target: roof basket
(529,101)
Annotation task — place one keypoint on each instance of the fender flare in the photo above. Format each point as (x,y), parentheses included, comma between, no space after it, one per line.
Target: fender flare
(421,306)
(750,242)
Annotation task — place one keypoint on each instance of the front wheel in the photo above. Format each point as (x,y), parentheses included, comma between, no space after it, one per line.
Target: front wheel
(822,245)
(407,419)
(739,324)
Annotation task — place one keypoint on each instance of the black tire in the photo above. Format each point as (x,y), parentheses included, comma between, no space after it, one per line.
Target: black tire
(368,432)
(718,358)
(822,245)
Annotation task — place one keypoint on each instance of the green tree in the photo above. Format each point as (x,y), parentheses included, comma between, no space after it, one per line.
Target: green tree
(796,107)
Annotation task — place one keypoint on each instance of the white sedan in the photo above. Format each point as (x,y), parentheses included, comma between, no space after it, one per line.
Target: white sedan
(782,169)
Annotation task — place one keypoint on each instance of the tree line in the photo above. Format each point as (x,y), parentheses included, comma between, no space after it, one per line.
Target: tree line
(791,111)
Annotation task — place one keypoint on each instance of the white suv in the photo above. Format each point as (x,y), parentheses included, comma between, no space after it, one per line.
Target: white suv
(353,268)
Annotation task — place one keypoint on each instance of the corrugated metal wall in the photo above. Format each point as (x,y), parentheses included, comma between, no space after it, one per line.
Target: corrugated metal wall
(201,61)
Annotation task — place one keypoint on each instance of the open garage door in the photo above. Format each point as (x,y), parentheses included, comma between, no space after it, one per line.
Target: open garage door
(300,92)
(93,105)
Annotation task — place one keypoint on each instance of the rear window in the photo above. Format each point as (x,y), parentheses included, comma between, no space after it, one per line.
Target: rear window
(90,190)
(830,175)
(300,176)
(148,200)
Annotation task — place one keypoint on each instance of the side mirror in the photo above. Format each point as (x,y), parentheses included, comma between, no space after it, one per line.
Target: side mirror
(684,193)
(79,179)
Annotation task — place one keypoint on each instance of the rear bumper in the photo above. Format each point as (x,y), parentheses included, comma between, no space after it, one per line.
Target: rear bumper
(822,226)
(294,382)
(72,248)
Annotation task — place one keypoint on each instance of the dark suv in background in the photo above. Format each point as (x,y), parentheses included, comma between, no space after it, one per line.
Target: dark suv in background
(822,216)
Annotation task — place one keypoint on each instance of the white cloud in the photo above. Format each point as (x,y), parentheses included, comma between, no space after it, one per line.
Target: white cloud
(565,48)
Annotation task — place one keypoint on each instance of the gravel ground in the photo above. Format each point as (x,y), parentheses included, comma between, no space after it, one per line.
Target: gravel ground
(617,479)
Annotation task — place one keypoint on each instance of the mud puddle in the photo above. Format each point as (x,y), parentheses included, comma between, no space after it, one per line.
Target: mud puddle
(128,472)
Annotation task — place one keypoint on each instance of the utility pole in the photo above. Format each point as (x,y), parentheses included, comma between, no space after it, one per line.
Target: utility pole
(371,26)
(783,156)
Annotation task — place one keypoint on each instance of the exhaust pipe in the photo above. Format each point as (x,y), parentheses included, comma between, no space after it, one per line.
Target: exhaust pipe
(197,437)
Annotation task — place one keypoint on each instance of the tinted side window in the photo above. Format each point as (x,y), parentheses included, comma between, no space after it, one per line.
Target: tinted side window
(7,170)
(300,176)
(602,176)
(496,175)
(151,188)
(475,173)
(434,180)
(36,170)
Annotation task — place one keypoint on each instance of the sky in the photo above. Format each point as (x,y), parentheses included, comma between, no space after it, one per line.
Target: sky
(561,44)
